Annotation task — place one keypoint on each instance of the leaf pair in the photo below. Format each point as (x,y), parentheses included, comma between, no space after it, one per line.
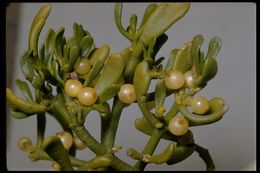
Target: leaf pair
(205,68)
(172,154)
(156,20)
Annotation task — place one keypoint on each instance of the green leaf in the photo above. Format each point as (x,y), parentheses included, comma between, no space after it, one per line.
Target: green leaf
(112,72)
(55,149)
(209,71)
(171,60)
(195,53)
(142,79)
(181,153)
(214,47)
(36,28)
(42,53)
(86,45)
(55,68)
(49,43)
(198,120)
(18,115)
(22,105)
(78,32)
(27,64)
(73,57)
(38,79)
(161,19)
(59,42)
(65,57)
(148,11)
(144,126)
(160,95)
(93,73)
(126,55)
(108,93)
(23,86)
(71,42)
(163,157)
(183,61)
(117,15)
(100,54)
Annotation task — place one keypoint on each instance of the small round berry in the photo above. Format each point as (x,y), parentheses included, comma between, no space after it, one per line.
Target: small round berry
(66,139)
(24,143)
(127,93)
(199,105)
(72,87)
(174,79)
(87,96)
(178,126)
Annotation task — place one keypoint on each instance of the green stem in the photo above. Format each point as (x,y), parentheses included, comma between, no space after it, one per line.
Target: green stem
(137,49)
(172,112)
(41,124)
(110,133)
(86,137)
(118,164)
(204,154)
(150,147)
(148,115)
(89,140)
(40,154)
(41,120)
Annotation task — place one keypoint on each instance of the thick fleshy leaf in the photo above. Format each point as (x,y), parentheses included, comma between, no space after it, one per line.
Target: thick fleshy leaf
(197,120)
(22,105)
(144,126)
(142,79)
(86,45)
(112,71)
(38,79)
(148,11)
(214,47)
(117,16)
(78,32)
(162,157)
(171,60)
(160,95)
(27,64)
(100,53)
(73,57)
(94,72)
(49,40)
(36,28)
(108,93)
(195,53)
(183,61)
(18,115)
(181,153)
(161,19)
(54,148)
(23,86)
(59,42)
(209,71)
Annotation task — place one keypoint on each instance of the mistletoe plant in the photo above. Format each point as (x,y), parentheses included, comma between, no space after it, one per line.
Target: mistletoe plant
(71,77)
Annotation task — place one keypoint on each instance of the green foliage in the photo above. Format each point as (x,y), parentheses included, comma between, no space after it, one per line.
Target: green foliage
(49,67)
